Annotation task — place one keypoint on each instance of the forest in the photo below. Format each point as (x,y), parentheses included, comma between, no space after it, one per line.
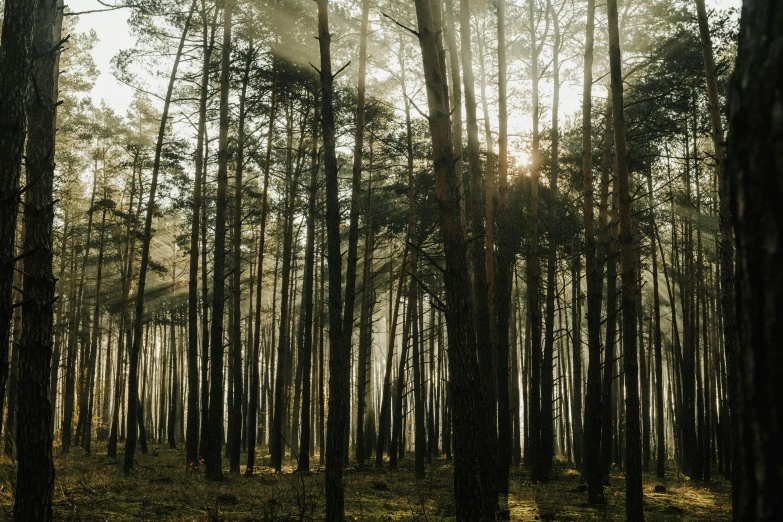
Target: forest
(422,260)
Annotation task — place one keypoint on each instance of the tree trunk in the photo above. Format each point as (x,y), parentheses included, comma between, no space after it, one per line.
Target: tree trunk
(133,373)
(15,62)
(755,173)
(307,297)
(633,476)
(192,435)
(35,472)
(459,314)
(339,360)
(212,457)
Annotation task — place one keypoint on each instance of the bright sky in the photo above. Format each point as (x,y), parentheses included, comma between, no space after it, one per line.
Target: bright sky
(112,30)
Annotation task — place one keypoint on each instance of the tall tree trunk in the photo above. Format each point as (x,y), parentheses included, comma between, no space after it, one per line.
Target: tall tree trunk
(463,372)
(726,243)
(385,412)
(660,467)
(307,298)
(364,360)
(754,179)
(340,356)
(94,341)
(534,271)
(547,381)
(35,472)
(212,457)
(593,409)
(133,372)
(235,426)
(633,476)
(478,264)
(192,435)
(503,281)
(15,62)
(256,381)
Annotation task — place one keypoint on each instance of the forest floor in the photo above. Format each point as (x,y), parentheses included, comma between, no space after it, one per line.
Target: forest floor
(92,488)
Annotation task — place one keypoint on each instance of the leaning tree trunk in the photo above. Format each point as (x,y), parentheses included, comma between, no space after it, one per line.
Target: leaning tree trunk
(35,472)
(133,366)
(755,176)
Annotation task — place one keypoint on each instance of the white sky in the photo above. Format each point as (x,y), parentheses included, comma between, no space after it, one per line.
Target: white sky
(113,34)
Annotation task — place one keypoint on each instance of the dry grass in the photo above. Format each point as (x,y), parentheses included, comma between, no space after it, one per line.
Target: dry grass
(92,488)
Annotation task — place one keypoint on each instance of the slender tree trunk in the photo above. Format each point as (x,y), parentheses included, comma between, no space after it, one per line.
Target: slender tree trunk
(94,341)
(235,424)
(503,281)
(547,382)
(256,381)
(132,419)
(212,457)
(633,476)
(660,467)
(339,360)
(307,298)
(593,408)
(192,435)
(725,246)
(480,276)
(385,413)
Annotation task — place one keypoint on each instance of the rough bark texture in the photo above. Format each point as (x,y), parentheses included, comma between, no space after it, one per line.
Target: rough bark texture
(35,472)
(755,175)
(15,61)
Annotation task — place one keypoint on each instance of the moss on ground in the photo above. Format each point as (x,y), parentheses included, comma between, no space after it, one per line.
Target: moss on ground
(92,488)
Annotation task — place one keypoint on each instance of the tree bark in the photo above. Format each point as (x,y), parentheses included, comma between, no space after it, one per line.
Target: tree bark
(755,178)
(459,314)
(633,475)
(212,457)
(35,472)
(15,62)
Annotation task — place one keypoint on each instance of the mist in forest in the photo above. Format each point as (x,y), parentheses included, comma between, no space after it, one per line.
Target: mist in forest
(433,260)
